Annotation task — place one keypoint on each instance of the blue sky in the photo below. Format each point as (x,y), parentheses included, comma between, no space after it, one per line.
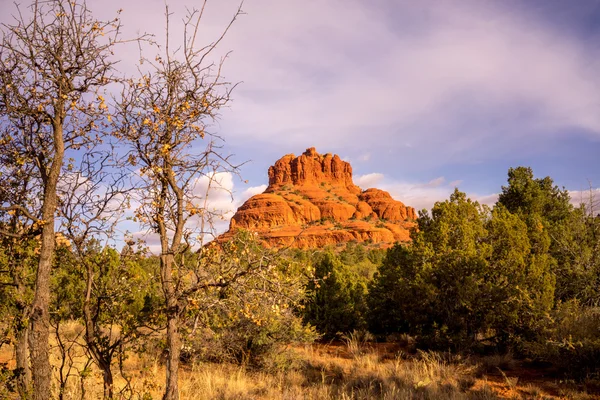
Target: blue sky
(420,96)
(426,95)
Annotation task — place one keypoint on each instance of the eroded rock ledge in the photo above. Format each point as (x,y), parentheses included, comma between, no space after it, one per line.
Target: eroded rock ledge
(312,201)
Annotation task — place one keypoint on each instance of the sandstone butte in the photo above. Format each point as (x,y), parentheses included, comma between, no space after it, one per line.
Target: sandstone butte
(311,202)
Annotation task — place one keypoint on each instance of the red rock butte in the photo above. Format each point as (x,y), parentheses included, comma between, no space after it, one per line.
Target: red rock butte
(312,202)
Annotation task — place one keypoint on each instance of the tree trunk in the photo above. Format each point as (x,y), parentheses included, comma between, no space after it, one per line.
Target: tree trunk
(108,381)
(173,340)
(22,358)
(40,317)
(174,350)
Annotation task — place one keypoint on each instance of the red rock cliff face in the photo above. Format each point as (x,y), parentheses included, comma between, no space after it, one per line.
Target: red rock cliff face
(311,168)
(312,201)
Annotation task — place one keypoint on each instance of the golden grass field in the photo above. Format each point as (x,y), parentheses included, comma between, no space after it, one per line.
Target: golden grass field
(351,370)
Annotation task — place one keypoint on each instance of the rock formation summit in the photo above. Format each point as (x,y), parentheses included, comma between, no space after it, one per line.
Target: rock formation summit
(311,201)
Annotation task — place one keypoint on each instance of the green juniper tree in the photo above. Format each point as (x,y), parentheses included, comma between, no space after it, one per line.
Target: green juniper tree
(469,277)
(337,297)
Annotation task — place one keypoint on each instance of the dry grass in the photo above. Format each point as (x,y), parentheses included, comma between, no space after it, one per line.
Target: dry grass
(316,375)
(320,372)
(325,377)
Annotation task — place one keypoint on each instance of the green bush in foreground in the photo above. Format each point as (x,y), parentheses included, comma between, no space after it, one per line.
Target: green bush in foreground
(336,302)
(250,313)
(468,279)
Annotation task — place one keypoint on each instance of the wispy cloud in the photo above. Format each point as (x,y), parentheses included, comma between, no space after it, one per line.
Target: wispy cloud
(434,183)
(420,195)
(368,180)
(406,85)
(590,198)
(471,74)
(445,77)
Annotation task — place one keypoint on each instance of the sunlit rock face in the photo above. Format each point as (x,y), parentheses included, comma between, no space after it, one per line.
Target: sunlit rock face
(311,202)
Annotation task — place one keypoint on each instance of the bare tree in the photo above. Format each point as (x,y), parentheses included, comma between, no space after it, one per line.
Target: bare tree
(52,64)
(164,117)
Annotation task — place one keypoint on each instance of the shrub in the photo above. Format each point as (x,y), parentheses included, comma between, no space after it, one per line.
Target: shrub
(255,340)
(336,302)
(253,313)
(570,340)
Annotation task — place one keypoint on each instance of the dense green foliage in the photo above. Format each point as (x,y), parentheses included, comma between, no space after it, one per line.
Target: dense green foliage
(337,296)
(337,303)
(523,276)
(569,339)
(468,277)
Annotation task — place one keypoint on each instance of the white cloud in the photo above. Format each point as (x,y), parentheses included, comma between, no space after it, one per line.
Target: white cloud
(328,73)
(365,157)
(215,193)
(220,194)
(419,195)
(149,239)
(251,191)
(487,199)
(589,197)
(368,180)
(215,190)
(434,183)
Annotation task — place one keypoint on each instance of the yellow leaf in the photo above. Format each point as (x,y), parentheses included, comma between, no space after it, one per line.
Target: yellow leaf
(132,160)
